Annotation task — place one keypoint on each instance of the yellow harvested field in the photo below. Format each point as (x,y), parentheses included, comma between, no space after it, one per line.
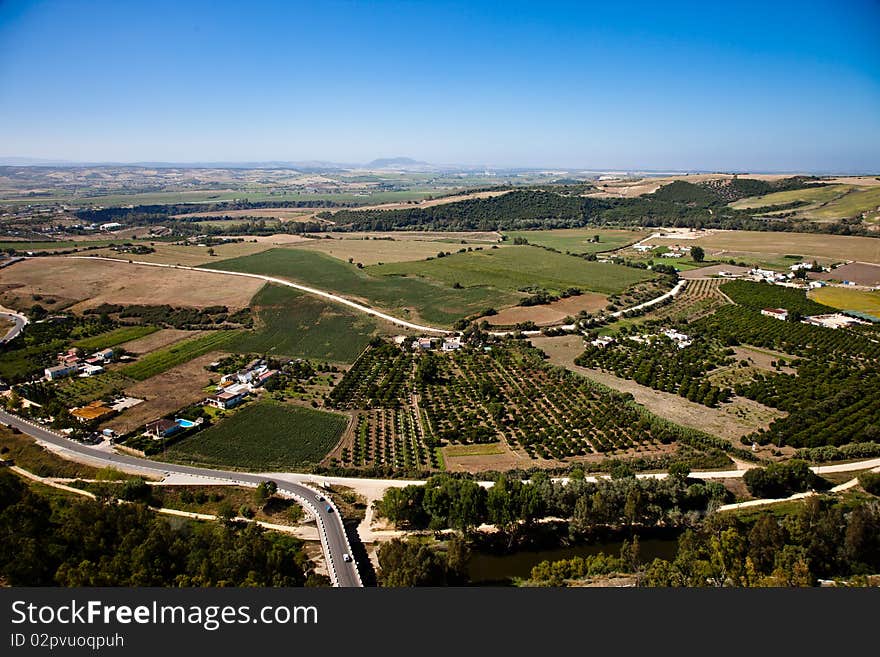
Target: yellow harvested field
(191,256)
(862,181)
(433,236)
(847,299)
(632,187)
(551,313)
(93,282)
(281,239)
(809,245)
(424,204)
(473,450)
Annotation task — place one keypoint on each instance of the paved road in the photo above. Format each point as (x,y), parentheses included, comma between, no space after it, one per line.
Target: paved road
(280,281)
(20,321)
(333,538)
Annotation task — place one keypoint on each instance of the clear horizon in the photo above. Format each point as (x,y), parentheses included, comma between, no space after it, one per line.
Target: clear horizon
(781,87)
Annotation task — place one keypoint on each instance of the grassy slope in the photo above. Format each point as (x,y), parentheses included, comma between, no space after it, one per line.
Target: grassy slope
(292,323)
(575,239)
(434,302)
(823,203)
(264,436)
(27,454)
(809,195)
(855,202)
(520,266)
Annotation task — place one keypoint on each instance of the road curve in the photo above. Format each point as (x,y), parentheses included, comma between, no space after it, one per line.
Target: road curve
(18,319)
(333,538)
(281,281)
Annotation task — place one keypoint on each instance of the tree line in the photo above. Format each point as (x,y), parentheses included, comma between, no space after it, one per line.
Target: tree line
(446,502)
(49,541)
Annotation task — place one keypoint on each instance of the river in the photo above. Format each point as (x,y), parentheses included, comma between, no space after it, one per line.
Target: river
(498,568)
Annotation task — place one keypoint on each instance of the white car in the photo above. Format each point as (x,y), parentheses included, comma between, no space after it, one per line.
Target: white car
(345,557)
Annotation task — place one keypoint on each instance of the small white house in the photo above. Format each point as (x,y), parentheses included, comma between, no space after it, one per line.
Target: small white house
(451,344)
(90,370)
(775,313)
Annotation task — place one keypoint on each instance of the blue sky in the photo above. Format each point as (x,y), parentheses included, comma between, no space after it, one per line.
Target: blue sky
(726,86)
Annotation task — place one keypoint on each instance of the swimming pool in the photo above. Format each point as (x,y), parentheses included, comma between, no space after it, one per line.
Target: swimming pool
(186,424)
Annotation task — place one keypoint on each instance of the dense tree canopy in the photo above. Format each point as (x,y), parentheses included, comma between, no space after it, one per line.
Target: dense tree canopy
(54,541)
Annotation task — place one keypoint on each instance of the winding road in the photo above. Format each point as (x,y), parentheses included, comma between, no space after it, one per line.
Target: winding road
(19,321)
(333,538)
(297,286)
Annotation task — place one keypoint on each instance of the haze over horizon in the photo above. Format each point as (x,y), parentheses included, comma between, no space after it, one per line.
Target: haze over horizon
(781,87)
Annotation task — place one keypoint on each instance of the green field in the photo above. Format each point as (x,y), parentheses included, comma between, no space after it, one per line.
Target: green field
(858,200)
(74,391)
(808,195)
(822,203)
(408,298)
(292,323)
(515,267)
(114,337)
(575,239)
(845,299)
(164,359)
(265,436)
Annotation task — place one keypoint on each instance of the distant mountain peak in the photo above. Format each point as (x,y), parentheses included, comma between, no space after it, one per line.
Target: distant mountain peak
(395,163)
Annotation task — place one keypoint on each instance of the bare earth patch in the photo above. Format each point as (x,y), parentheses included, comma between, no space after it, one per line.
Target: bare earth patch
(432,236)
(860,273)
(159,339)
(425,204)
(731,421)
(728,243)
(551,313)
(712,270)
(93,282)
(178,387)
(191,256)
(629,188)
(501,458)
(372,251)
